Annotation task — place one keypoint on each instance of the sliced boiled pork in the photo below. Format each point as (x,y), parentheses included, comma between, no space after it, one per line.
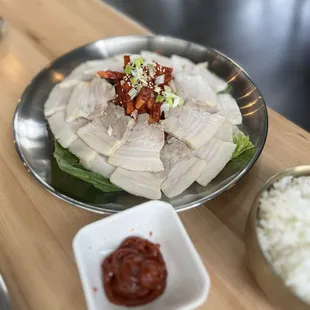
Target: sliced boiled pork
(108,132)
(89,99)
(194,87)
(81,150)
(183,167)
(98,164)
(193,126)
(229,108)
(141,152)
(216,154)
(57,99)
(141,183)
(65,133)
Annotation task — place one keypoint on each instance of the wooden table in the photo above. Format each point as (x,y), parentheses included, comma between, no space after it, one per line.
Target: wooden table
(36,229)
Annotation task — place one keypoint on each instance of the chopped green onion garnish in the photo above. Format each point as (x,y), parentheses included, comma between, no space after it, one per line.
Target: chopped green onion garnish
(157,89)
(133,80)
(138,87)
(170,95)
(169,101)
(133,93)
(128,69)
(177,102)
(160,98)
(167,89)
(144,82)
(139,78)
(139,61)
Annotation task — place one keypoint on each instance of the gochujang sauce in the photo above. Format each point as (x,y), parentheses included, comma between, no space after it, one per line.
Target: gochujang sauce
(135,273)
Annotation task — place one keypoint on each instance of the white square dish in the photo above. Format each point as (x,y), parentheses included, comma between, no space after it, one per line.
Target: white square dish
(188,282)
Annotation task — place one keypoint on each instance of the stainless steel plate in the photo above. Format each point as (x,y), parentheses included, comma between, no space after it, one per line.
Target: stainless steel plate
(34,141)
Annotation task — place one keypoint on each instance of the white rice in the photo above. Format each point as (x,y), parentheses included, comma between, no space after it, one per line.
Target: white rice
(284,232)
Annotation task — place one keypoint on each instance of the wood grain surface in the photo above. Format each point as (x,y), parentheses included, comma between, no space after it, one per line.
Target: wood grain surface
(36,229)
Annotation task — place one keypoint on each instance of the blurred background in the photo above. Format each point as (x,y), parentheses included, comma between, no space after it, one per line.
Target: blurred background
(270,39)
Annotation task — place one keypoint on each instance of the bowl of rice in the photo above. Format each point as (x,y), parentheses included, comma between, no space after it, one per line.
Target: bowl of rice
(278,239)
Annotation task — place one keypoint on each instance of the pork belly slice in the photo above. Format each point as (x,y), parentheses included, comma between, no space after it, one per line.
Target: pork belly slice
(90,159)
(81,150)
(194,87)
(216,154)
(65,133)
(183,65)
(141,152)
(193,126)
(57,99)
(196,105)
(140,183)
(98,164)
(216,83)
(89,99)
(183,167)
(105,134)
(88,69)
(149,57)
(225,132)
(113,63)
(229,108)
(182,175)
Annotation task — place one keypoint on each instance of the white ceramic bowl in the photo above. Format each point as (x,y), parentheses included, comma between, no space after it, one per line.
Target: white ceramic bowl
(188,282)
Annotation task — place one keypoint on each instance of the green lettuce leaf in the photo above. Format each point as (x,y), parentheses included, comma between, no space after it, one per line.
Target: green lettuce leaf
(243,144)
(227,90)
(70,164)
